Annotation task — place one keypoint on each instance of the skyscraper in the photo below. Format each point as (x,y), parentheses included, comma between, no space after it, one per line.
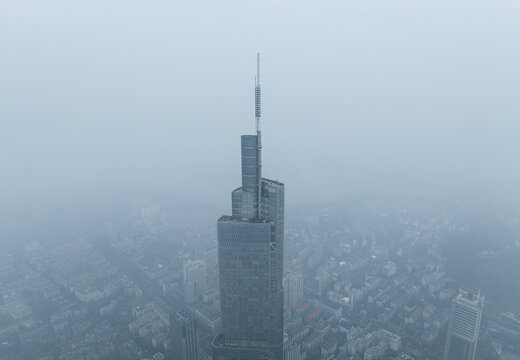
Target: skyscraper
(250,251)
(184,337)
(293,288)
(293,352)
(194,273)
(464,325)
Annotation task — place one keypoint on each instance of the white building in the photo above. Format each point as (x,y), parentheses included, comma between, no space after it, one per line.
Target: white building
(293,288)
(194,280)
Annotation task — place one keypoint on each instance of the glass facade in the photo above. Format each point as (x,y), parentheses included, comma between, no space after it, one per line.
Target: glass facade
(464,326)
(184,336)
(250,250)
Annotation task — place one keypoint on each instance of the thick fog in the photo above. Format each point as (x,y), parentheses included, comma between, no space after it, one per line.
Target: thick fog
(394,125)
(359,97)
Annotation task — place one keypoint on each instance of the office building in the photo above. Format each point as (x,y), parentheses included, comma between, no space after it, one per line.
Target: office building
(250,256)
(194,273)
(464,325)
(293,352)
(184,337)
(293,288)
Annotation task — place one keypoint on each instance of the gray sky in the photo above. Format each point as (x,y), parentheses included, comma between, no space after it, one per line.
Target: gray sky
(358,96)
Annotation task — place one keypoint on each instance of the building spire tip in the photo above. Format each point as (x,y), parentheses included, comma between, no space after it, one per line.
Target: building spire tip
(258,67)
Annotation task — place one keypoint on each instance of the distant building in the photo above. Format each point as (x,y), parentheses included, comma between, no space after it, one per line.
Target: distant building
(377,351)
(210,256)
(293,352)
(208,318)
(143,208)
(321,283)
(130,350)
(293,288)
(194,280)
(388,269)
(184,337)
(464,325)
(328,347)
(394,340)
(510,322)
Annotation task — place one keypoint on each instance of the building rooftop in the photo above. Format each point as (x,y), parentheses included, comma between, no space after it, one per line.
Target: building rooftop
(231,219)
(469,298)
(207,313)
(272,182)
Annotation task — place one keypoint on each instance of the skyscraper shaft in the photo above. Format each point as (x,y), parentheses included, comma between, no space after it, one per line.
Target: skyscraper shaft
(464,325)
(185,336)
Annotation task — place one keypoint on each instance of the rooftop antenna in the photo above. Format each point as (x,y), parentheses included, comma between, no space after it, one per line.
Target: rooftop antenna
(258,100)
(258,114)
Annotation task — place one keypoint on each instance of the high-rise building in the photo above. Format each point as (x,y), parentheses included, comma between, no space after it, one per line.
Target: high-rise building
(293,352)
(194,273)
(293,288)
(142,207)
(210,256)
(250,256)
(184,337)
(464,325)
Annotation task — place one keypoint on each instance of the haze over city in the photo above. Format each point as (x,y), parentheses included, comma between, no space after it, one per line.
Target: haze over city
(379,97)
(259,180)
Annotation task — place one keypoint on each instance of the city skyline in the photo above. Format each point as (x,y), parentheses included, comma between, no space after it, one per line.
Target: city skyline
(371,213)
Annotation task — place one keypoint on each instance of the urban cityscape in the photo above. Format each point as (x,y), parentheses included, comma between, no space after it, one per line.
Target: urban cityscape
(367,279)
(259,180)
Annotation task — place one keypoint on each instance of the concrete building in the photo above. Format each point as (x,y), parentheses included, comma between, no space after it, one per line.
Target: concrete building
(464,325)
(293,352)
(184,337)
(194,280)
(293,288)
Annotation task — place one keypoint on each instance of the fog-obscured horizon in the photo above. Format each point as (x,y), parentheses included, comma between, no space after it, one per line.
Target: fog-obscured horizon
(359,98)
(394,127)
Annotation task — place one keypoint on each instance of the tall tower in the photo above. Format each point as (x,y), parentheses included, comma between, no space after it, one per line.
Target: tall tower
(464,325)
(250,251)
(184,336)
(293,288)
(194,275)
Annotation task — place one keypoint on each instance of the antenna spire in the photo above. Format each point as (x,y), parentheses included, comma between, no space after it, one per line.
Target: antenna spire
(258,114)
(258,99)
(258,67)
